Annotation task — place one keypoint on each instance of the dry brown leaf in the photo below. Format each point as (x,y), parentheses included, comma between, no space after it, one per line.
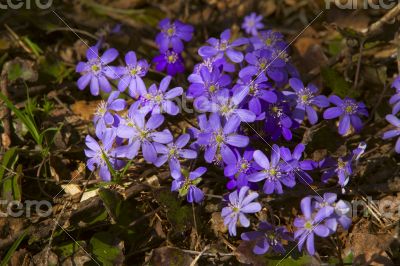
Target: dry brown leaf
(217,224)
(369,248)
(84,109)
(169,256)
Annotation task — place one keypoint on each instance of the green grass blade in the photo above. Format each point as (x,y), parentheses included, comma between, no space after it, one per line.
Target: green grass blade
(8,191)
(24,119)
(12,249)
(6,159)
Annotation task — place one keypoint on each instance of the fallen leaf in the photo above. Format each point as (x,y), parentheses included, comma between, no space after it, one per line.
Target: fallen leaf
(169,256)
(71,189)
(85,109)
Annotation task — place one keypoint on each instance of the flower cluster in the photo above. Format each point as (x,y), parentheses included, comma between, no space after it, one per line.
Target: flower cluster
(268,236)
(392,118)
(97,72)
(321,217)
(170,44)
(238,204)
(246,93)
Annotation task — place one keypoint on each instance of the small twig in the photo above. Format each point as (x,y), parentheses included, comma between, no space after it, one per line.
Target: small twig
(56,222)
(19,41)
(359,64)
(339,246)
(207,253)
(376,27)
(5,113)
(199,256)
(213,196)
(195,225)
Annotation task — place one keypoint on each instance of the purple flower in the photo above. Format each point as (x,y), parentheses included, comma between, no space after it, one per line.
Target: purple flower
(204,127)
(271,172)
(294,166)
(158,100)
(99,153)
(214,62)
(238,168)
(324,205)
(186,184)
(103,116)
(349,111)
(341,215)
(142,134)
(131,75)
(171,61)
(305,99)
(340,168)
(172,33)
(207,83)
(267,236)
(256,91)
(252,23)
(395,99)
(278,120)
(269,40)
(225,105)
(96,72)
(393,132)
(264,61)
(172,152)
(218,139)
(333,212)
(223,46)
(240,203)
(308,226)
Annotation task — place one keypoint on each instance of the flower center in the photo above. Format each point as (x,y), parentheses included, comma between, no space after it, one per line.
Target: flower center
(130,123)
(305,95)
(308,225)
(253,89)
(148,96)
(208,63)
(262,63)
(101,109)
(268,41)
(223,45)
(158,98)
(276,111)
(283,55)
(235,209)
(173,152)
(171,57)
(244,166)
(219,138)
(135,71)
(171,30)
(273,174)
(95,68)
(226,110)
(271,236)
(143,134)
(273,171)
(212,88)
(349,107)
(341,164)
